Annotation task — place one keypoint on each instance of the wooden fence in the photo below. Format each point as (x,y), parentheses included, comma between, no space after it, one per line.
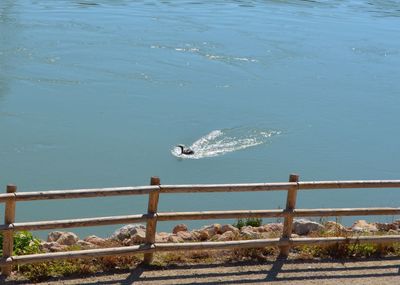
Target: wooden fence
(153,216)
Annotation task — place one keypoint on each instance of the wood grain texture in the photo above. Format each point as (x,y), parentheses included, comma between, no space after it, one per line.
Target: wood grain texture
(290,205)
(8,240)
(151,226)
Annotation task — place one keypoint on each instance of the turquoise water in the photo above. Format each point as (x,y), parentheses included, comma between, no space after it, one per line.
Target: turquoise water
(98,93)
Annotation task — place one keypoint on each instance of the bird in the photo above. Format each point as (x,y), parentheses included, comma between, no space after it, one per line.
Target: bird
(185,150)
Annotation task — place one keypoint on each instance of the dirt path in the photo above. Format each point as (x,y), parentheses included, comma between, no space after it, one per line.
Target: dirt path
(383,271)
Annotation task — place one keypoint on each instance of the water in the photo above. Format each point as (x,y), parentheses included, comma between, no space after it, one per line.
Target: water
(98,93)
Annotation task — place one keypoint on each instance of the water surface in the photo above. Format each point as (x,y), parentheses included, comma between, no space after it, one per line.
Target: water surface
(98,93)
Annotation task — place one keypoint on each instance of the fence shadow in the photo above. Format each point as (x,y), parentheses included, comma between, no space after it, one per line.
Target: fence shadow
(281,269)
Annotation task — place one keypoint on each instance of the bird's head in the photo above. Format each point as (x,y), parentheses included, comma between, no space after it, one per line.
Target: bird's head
(181,146)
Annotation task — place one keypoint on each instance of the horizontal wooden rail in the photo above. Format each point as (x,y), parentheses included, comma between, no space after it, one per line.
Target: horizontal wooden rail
(89,253)
(74,223)
(349,184)
(204,188)
(201,215)
(274,242)
(345,212)
(80,193)
(209,215)
(5,197)
(160,247)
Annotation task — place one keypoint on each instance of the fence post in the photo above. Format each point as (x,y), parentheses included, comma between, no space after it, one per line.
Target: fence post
(8,235)
(288,222)
(152,223)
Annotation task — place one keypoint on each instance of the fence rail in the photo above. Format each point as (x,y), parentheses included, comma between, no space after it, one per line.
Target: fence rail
(152,217)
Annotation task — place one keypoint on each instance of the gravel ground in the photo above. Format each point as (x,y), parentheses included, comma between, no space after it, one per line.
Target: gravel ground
(321,272)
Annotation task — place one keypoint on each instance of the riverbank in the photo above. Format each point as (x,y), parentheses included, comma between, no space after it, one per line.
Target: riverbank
(135,234)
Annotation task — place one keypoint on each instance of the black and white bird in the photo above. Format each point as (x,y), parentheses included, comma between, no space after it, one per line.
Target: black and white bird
(185,150)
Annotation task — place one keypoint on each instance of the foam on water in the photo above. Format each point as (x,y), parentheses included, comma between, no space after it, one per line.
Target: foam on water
(219,142)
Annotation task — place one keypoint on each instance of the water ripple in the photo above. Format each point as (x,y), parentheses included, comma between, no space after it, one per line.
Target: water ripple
(204,51)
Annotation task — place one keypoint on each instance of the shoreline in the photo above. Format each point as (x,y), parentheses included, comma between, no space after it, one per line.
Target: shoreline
(134,234)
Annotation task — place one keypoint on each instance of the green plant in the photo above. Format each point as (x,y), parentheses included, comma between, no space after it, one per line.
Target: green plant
(42,271)
(254,222)
(24,243)
(240,223)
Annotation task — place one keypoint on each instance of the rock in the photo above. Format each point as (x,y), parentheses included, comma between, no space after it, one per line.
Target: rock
(54,236)
(45,245)
(185,235)
(86,244)
(273,227)
(228,235)
(201,235)
(63,238)
(127,231)
(127,242)
(68,238)
(175,238)
(229,228)
(248,233)
(180,228)
(139,236)
(363,226)
(213,229)
(264,235)
(303,226)
(259,229)
(95,240)
(162,237)
(385,227)
(52,247)
(333,227)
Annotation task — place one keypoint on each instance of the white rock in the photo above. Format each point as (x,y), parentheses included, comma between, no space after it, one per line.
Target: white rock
(127,231)
(67,238)
(54,236)
(139,236)
(363,226)
(249,233)
(303,226)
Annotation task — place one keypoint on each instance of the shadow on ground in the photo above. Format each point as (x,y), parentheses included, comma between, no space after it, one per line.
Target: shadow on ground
(248,272)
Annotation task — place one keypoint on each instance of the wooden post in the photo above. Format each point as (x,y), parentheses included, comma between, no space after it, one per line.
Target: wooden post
(8,239)
(152,223)
(288,222)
